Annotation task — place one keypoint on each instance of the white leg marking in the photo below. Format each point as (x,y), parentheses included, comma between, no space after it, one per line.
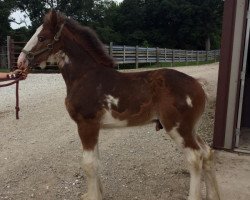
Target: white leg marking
(212,189)
(194,159)
(90,166)
(175,135)
(189,101)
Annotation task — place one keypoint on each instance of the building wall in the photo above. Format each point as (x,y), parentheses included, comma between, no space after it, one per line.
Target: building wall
(228,80)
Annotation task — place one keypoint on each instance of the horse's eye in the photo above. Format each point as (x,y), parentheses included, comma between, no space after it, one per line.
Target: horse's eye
(41,38)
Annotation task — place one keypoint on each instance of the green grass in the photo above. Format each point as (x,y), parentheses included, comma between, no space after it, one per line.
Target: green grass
(4,70)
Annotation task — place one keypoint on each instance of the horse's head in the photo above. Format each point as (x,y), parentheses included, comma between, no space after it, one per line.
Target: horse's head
(44,43)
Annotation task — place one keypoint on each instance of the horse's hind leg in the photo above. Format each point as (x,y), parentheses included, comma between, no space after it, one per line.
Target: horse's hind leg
(88,133)
(212,191)
(186,141)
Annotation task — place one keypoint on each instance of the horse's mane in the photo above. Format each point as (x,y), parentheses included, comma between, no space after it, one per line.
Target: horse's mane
(87,38)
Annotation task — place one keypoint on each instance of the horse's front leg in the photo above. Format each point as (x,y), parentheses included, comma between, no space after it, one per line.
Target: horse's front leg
(88,132)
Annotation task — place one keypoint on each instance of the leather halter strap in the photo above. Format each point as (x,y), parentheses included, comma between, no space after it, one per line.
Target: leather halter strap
(15,81)
(31,55)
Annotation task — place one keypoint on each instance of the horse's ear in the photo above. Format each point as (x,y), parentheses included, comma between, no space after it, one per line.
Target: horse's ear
(53,18)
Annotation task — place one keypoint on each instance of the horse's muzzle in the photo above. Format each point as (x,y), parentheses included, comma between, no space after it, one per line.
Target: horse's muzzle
(22,62)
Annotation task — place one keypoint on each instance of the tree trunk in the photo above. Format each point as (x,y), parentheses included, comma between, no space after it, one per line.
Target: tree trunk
(208,44)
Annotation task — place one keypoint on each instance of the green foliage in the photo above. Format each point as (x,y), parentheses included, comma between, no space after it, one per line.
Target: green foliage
(6,7)
(184,24)
(20,34)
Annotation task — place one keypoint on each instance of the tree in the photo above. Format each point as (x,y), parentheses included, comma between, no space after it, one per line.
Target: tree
(185,24)
(87,12)
(6,7)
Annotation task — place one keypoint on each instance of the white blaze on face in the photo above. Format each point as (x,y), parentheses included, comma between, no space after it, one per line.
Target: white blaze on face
(30,44)
(33,40)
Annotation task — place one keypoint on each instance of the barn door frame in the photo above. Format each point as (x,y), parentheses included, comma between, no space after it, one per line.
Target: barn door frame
(242,81)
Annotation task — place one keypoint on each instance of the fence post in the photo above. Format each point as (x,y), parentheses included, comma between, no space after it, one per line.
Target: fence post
(136,56)
(197,57)
(12,55)
(215,56)
(124,54)
(111,48)
(165,55)
(8,51)
(157,55)
(186,54)
(173,57)
(147,54)
(206,55)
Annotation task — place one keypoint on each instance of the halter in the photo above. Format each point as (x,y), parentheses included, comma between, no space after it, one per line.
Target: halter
(31,55)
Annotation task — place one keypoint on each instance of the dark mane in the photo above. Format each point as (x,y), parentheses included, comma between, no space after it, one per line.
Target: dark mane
(87,38)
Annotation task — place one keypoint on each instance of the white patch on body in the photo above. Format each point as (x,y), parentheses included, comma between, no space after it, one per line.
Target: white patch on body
(51,59)
(43,64)
(61,58)
(108,121)
(111,101)
(189,101)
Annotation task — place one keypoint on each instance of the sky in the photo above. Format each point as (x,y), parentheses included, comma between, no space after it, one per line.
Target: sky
(19,16)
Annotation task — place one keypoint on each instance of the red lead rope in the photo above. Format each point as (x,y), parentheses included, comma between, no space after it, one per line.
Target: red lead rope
(16,81)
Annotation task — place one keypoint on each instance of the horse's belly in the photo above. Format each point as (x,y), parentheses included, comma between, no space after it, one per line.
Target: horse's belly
(108,121)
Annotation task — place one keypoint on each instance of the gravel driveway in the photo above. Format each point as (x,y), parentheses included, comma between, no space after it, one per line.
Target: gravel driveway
(40,154)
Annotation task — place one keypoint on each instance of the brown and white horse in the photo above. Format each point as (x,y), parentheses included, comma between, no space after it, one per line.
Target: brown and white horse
(98,97)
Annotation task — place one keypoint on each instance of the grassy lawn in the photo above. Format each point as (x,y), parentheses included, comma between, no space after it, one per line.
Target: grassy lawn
(4,70)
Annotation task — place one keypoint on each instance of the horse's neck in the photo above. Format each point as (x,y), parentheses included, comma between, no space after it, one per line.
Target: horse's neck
(73,60)
(73,69)
(87,48)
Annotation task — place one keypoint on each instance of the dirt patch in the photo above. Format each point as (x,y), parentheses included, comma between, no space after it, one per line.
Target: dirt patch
(40,154)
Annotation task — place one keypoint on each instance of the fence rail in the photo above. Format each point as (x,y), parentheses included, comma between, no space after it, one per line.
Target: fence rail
(132,54)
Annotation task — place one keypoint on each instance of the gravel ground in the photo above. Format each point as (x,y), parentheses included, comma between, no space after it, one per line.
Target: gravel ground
(40,154)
